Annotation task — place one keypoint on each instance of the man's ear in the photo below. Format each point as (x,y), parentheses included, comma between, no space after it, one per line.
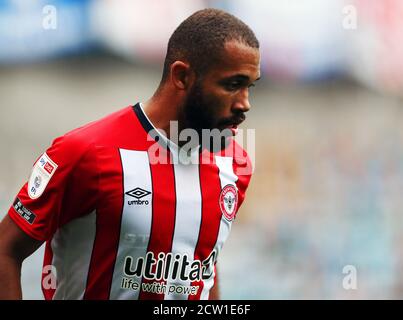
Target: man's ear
(181,75)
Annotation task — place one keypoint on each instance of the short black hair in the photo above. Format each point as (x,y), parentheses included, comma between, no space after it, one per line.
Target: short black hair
(200,39)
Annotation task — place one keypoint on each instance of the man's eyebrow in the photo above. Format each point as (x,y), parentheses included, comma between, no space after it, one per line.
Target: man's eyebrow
(240,77)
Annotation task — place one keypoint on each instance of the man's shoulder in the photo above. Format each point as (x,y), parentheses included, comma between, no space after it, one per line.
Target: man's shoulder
(103,132)
(103,128)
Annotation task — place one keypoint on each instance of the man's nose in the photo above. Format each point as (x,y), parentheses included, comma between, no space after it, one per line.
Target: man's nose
(242,103)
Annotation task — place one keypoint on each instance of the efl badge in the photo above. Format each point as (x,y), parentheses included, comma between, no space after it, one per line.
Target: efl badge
(228,201)
(43,170)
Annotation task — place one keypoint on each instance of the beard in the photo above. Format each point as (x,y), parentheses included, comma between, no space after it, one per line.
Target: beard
(199,113)
(197,110)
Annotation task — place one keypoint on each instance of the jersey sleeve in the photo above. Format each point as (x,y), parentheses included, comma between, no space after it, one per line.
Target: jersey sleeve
(55,192)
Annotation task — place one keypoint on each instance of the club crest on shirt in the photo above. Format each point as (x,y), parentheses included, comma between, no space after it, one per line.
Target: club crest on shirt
(228,201)
(41,174)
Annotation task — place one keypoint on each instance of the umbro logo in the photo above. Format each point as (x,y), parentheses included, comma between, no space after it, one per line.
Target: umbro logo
(138,193)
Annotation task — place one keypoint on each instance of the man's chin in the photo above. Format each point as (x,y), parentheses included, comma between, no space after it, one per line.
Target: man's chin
(228,130)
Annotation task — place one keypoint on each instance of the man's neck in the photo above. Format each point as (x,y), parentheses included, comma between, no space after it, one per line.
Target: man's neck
(161,112)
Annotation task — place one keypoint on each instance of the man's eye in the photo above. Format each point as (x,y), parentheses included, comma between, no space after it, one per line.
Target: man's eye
(233,85)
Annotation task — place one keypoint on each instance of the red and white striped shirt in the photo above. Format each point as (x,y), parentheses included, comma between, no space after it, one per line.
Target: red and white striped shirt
(119,226)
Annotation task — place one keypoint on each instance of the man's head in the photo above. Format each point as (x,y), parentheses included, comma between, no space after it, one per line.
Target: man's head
(200,39)
(212,60)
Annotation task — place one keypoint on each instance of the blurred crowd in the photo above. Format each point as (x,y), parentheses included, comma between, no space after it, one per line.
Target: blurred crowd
(307,40)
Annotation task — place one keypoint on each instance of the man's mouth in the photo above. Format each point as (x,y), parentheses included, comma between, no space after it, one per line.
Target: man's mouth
(233,125)
(234,130)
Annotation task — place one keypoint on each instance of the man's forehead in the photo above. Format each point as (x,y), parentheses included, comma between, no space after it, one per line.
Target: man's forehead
(235,45)
(238,59)
(245,73)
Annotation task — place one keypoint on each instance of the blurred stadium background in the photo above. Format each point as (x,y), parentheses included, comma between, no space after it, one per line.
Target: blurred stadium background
(327,114)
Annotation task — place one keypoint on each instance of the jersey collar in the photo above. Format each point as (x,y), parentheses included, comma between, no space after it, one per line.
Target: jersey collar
(157,135)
